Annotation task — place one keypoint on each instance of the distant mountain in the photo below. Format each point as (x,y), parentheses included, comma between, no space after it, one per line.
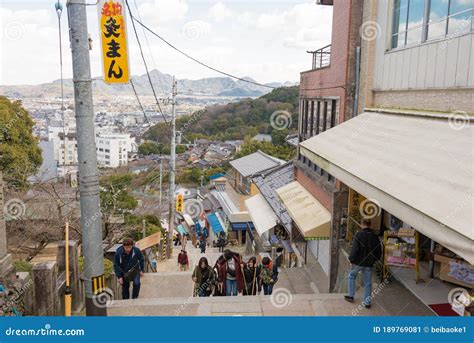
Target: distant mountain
(216,86)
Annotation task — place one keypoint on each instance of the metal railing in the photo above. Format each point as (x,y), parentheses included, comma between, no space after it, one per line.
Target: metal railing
(321,57)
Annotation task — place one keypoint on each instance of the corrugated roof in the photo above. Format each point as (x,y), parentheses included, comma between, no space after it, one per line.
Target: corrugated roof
(257,162)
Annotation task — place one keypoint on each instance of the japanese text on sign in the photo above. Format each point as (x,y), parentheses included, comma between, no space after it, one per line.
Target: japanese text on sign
(113,37)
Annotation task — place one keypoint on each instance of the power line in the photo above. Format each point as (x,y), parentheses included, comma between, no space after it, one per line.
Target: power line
(194,59)
(149,48)
(144,62)
(139,102)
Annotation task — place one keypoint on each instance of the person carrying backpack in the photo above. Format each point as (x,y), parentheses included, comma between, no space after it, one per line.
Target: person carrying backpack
(129,267)
(366,250)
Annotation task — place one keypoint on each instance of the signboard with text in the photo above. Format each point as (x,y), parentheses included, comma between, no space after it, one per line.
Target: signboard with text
(113,39)
(179,203)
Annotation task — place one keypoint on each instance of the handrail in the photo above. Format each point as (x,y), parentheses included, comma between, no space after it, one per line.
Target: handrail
(321,57)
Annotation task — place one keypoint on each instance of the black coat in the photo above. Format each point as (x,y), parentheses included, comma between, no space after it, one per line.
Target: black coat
(366,248)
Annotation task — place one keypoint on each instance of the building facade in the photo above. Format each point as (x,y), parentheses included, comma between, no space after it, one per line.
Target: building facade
(112,149)
(327,98)
(408,151)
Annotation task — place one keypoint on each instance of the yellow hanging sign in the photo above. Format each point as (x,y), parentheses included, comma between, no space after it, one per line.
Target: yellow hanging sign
(113,39)
(179,203)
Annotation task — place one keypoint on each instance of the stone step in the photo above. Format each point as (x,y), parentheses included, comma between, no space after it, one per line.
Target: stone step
(281,303)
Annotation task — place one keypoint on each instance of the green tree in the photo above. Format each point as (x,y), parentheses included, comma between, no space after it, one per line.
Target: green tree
(20,154)
(278,136)
(149,148)
(114,195)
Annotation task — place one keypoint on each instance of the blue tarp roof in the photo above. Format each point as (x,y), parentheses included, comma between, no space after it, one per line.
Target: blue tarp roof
(216,176)
(181,229)
(215,224)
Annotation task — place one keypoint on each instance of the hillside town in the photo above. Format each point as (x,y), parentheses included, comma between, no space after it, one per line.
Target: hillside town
(347,193)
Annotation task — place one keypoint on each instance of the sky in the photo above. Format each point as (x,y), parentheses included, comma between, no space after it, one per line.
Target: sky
(266,40)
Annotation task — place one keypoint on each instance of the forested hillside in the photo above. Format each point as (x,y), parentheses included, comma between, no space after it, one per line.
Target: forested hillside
(236,120)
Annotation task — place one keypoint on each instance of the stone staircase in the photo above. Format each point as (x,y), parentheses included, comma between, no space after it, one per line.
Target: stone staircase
(169,292)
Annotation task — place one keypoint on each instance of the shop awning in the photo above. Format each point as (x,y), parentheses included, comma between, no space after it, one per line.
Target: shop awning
(417,167)
(312,219)
(189,221)
(215,223)
(261,213)
(181,229)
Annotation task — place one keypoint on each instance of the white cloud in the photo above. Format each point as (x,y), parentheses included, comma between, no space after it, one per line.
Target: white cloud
(219,12)
(265,42)
(196,29)
(163,12)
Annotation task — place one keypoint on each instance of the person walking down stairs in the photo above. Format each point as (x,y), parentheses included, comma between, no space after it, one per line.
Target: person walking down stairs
(202,244)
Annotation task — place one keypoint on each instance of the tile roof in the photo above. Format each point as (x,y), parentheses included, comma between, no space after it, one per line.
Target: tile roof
(269,182)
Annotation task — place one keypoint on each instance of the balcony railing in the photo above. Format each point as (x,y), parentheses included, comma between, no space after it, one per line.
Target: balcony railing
(321,57)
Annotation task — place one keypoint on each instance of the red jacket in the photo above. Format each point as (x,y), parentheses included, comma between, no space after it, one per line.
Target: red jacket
(221,267)
(183,258)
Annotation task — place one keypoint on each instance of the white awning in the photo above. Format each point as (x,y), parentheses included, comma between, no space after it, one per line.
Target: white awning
(311,217)
(189,221)
(261,213)
(418,167)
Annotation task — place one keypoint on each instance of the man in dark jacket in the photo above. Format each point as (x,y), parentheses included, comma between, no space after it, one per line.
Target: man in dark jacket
(129,266)
(366,250)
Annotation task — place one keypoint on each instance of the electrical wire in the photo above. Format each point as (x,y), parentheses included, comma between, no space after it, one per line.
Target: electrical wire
(139,102)
(144,62)
(149,48)
(194,59)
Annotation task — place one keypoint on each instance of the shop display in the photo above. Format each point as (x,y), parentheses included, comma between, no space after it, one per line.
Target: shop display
(401,250)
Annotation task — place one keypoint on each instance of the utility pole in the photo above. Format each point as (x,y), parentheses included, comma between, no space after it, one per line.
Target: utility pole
(172,166)
(87,160)
(161,184)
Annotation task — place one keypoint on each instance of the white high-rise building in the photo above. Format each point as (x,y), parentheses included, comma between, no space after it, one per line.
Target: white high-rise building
(112,149)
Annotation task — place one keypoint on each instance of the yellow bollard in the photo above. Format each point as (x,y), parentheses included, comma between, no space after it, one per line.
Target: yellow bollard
(67,293)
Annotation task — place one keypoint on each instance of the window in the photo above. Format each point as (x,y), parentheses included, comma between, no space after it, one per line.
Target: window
(316,118)
(100,149)
(461,16)
(413,23)
(107,150)
(407,22)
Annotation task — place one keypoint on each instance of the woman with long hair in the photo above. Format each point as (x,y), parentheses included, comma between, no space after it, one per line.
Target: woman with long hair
(251,274)
(204,278)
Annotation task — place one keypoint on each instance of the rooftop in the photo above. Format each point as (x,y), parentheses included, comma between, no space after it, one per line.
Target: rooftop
(255,163)
(269,182)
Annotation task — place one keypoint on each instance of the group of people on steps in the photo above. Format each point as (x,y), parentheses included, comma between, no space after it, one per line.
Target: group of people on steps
(231,276)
